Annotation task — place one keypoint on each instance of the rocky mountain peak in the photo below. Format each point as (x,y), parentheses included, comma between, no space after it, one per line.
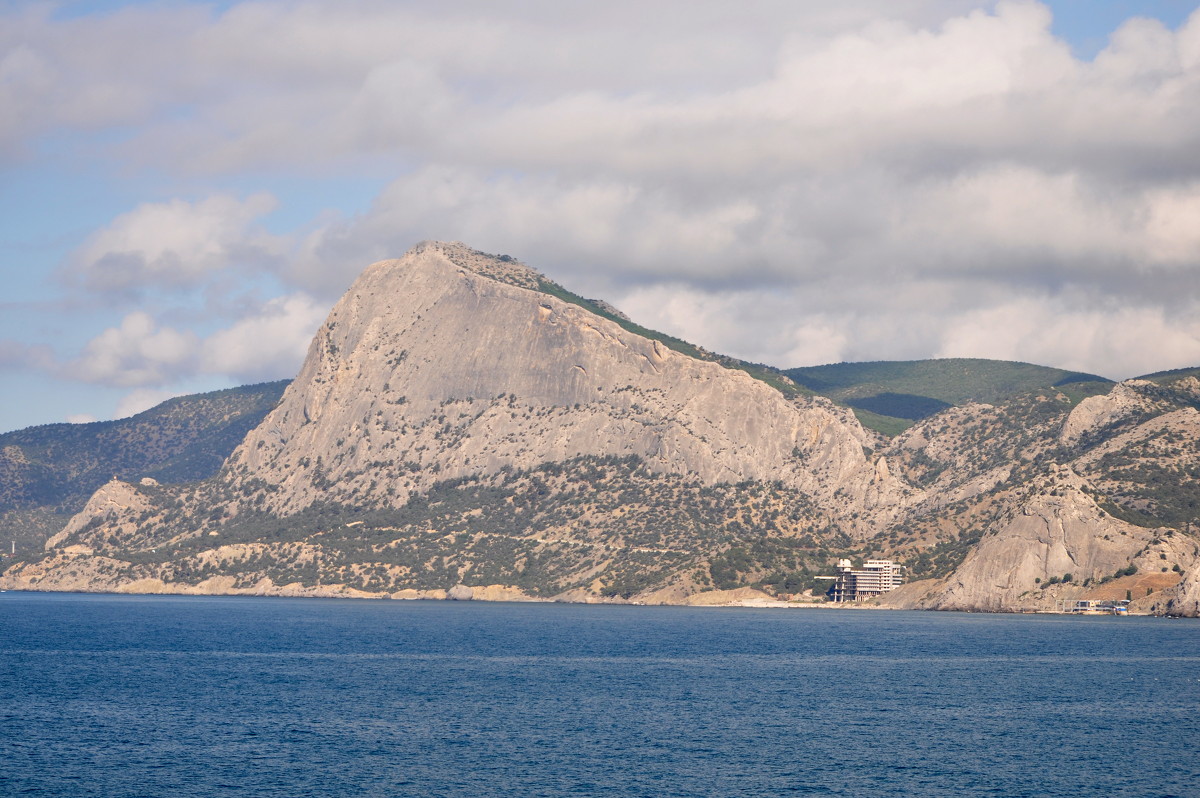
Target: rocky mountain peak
(448,362)
(501,268)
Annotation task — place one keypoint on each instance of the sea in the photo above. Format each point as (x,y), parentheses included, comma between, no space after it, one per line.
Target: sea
(142,696)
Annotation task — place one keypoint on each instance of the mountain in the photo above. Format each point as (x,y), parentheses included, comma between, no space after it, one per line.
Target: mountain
(464,427)
(890,395)
(48,472)
(1045,497)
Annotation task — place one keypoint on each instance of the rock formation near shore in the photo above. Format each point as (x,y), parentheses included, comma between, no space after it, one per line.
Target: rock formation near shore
(1184,598)
(1058,533)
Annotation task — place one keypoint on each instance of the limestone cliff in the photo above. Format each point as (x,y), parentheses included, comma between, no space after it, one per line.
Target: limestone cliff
(115,503)
(1059,531)
(1184,598)
(460,422)
(448,363)
(1096,414)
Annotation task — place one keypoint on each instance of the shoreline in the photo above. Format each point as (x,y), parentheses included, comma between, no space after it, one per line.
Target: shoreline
(318,593)
(93,580)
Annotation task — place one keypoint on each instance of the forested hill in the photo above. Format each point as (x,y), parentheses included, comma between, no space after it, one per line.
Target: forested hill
(905,391)
(47,472)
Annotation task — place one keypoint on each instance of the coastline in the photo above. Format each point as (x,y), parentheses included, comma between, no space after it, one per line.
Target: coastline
(745,597)
(227,586)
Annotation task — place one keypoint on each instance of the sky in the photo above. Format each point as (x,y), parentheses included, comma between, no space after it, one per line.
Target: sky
(187,188)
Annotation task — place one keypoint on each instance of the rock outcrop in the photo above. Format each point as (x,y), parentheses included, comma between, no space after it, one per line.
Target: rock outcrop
(448,363)
(1184,598)
(116,503)
(1055,533)
(1097,413)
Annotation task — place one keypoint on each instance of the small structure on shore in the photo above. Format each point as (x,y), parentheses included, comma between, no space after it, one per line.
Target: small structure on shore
(1091,607)
(875,578)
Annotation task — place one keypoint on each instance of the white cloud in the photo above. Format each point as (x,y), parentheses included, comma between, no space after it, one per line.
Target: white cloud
(284,82)
(138,352)
(1070,328)
(1019,218)
(693,90)
(141,400)
(1113,341)
(177,243)
(81,418)
(787,182)
(268,345)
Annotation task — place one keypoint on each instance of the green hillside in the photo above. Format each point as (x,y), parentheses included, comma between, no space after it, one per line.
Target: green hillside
(1163,377)
(48,472)
(905,391)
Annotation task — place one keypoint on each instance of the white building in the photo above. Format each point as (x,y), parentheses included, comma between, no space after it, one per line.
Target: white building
(875,578)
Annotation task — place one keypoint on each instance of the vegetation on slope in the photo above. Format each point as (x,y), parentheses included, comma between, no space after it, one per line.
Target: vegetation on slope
(1164,377)
(949,381)
(603,524)
(896,392)
(53,469)
(771,376)
(1154,481)
(889,426)
(608,526)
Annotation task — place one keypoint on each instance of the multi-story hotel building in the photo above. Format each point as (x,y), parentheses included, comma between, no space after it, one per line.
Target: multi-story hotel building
(875,578)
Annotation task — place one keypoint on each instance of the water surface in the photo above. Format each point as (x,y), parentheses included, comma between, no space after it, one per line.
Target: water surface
(165,696)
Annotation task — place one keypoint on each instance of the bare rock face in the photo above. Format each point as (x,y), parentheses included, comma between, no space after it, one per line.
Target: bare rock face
(1058,531)
(1096,413)
(1184,598)
(115,501)
(448,362)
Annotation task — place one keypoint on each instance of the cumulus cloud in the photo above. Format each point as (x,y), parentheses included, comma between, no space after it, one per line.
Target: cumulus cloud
(798,274)
(266,82)
(700,90)
(137,352)
(267,345)
(177,244)
(1078,335)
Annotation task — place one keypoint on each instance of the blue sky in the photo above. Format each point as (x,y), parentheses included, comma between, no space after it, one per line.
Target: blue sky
(1087,24)
(187,188)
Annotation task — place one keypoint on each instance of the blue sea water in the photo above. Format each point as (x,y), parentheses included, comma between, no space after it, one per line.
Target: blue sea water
(192,696)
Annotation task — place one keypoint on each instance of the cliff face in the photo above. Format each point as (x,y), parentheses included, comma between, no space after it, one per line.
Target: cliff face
(1182,599)
(1062,503)
(110,508)
(439,365)
(1056,533)
(1096,414)
(458,418)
